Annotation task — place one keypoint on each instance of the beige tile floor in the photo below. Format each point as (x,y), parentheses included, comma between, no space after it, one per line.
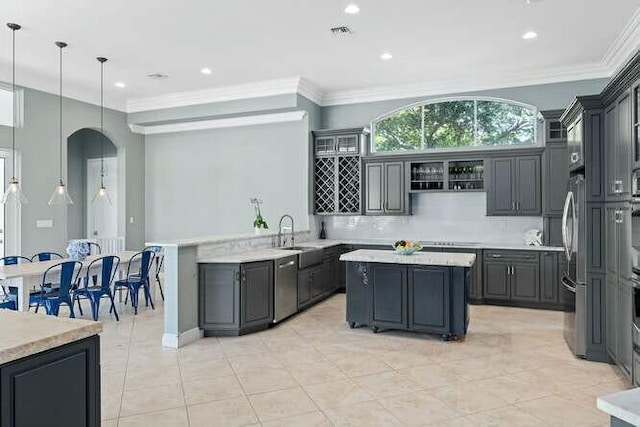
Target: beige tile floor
(512,369)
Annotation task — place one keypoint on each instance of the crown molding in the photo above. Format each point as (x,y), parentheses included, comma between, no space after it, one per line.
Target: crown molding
(624,46)
(291,116)
(310,91)
(220,94)
(558,75)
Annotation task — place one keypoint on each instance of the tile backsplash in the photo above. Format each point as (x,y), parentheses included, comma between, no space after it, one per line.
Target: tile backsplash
(458,217)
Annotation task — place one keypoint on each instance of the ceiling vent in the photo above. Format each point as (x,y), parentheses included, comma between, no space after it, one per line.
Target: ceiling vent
(157,76)
(341,31)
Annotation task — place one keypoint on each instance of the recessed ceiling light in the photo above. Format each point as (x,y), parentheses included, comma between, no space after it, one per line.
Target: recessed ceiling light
(206,71)
(352,9)
(121,85)
(530,35)
(386,56)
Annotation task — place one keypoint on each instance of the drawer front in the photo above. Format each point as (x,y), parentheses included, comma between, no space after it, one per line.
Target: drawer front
(515,256)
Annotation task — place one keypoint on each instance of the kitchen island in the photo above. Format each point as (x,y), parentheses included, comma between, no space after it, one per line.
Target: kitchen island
(46,364)
(424,292)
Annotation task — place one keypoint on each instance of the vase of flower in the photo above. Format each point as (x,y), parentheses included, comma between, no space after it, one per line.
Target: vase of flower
(260,226)
(78,249)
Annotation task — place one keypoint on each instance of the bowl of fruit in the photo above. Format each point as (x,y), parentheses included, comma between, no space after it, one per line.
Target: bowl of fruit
(406,247)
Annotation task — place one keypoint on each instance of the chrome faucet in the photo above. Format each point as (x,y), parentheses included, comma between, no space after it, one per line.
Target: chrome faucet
(281,239)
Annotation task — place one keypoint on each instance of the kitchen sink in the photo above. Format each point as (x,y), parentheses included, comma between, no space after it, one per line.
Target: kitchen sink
(308,257)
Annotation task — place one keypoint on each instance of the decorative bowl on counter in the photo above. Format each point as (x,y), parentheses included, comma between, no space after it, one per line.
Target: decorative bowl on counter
(406,247)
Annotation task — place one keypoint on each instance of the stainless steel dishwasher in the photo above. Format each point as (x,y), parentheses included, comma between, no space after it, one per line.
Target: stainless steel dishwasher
(285,293)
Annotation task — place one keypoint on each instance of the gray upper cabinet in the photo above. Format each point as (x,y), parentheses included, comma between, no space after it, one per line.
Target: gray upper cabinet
(337,175)
(556,178)
(618,148)
(385,191)
(500,198)
(514,186)
(635,137)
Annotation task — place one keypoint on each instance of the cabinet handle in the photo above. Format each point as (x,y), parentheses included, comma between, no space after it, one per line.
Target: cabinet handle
(518,206)
(513,206)
(237,276)
(244,276)
(496,256)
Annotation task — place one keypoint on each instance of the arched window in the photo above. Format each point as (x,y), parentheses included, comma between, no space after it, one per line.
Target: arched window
(456,123)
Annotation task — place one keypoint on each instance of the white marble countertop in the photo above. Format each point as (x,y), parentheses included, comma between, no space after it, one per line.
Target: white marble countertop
(418,258)
(223,238)
(258,255)
(24,334)
(455,245)
(624,405)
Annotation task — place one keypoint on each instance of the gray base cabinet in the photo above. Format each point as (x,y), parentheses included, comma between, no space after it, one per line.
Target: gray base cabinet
(318,282)
(416,298)
(235,299)
(512,276)
(38,390)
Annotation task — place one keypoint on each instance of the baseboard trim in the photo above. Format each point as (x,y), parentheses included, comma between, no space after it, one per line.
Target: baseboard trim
(177,341)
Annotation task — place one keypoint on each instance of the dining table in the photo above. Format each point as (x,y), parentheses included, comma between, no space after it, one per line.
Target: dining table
(27,277)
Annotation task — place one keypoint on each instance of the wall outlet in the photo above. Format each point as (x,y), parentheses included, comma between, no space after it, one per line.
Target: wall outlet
(130,220)
(44,223)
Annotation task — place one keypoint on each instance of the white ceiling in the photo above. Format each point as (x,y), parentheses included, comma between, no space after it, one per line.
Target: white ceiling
(435,44)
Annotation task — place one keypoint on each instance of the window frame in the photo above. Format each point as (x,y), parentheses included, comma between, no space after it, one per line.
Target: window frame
(536,114)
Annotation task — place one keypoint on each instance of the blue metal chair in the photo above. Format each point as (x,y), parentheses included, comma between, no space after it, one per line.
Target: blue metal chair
(8,305)
(11,293)
(96,292)
(67,273)
(94,248)
(45,256)
(158,261)
(138,279)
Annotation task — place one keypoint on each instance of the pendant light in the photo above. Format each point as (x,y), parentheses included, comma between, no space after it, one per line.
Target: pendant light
(101,195)
(60,195)
(14,194)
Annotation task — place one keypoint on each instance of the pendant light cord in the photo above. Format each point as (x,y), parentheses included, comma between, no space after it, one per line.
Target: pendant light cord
(13,89)
(102,124)
(61,47)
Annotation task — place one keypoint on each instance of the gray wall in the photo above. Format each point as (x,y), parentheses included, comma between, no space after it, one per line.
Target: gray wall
(81,146)
(38,143)
(545,97)
(199,183)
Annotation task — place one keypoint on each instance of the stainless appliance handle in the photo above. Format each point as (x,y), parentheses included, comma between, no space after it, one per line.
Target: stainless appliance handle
(565,233)
(568,285)
(286,264)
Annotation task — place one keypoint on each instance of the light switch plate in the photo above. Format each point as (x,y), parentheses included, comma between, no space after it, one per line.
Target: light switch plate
(44,223)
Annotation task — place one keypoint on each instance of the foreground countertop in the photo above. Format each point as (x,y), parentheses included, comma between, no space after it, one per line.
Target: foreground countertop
(24,334)
(418,258)
(624,405)
(252,256)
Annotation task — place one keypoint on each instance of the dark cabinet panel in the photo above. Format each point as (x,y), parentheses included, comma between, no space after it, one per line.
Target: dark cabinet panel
(257,294)
(611,304)
(357,293)
(219,296)
(623,147)
(501,183)
(514,186)
(610,136)
(550,278)
(388,295)
(527,190)
(496,280)
(625,339)
(429,295)
(525,282)
(556,178)
(394,188)
(375,190)
(305,278)
(552,233)
(37,390)
(385,189)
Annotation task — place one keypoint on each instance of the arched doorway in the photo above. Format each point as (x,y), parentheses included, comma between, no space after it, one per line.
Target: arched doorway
(86,219)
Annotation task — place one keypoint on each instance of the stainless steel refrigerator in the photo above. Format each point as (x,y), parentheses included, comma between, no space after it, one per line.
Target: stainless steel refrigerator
(574,279)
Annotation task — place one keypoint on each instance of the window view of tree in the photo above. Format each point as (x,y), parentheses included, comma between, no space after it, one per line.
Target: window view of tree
(460,123)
